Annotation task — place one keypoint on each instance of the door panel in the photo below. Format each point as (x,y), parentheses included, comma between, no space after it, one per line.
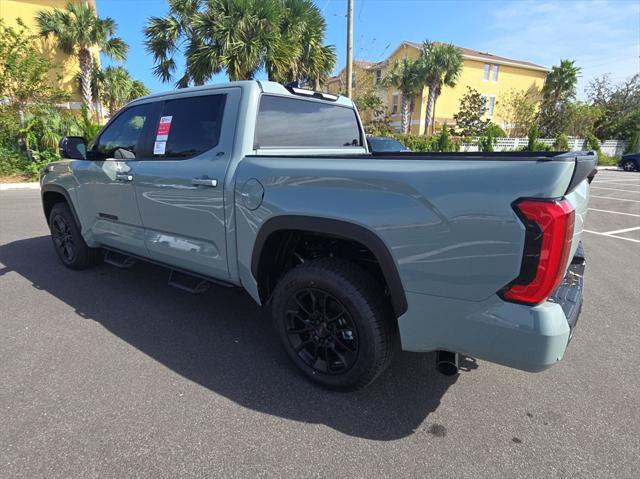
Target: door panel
(180,192)
(106,192)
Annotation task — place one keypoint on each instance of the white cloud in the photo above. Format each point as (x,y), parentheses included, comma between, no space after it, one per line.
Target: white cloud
(601,36)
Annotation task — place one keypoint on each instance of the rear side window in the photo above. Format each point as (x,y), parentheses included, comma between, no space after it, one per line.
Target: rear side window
(295,123)
(188,126)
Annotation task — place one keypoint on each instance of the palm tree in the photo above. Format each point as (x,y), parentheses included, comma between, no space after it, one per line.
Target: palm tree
(117,88)
(561,81)
(405,77)
(303,25)
(240,37)
(79,31)
(440,65)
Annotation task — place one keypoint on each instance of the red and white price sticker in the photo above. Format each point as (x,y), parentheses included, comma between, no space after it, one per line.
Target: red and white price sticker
(163,128)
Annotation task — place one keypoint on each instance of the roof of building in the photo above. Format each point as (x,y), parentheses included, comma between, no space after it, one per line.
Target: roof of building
(466,52)
(472,54)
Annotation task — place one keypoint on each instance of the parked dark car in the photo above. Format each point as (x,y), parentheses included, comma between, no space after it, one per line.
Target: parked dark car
(630,162)
(379,144)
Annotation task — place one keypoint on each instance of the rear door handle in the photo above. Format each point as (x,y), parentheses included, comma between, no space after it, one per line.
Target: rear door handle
(124,177)
(204,182)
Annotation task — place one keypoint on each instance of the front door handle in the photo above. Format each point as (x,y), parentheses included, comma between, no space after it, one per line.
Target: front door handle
(204,182)
(124,177)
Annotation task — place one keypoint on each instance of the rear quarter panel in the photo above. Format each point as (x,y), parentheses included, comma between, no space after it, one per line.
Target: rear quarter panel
(448,224)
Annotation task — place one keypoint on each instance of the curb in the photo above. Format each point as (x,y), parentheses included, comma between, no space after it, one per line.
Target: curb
(613,168)
(19,186)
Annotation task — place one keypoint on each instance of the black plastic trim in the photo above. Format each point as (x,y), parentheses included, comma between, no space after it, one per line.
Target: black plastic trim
(585,169)
(403,155)
(144,259)
(107,216)
(59,189)
(569,293)
(341,229)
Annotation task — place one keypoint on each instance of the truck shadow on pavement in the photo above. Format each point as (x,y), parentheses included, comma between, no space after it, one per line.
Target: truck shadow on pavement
(223,341)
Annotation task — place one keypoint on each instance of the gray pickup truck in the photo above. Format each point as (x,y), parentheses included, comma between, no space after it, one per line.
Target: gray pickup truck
(273,189)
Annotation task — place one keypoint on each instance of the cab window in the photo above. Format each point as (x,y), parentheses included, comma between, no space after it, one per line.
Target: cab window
(285,122)
(123,137)
(188,126)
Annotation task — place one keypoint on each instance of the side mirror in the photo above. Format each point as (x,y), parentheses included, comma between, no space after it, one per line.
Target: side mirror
(73,147)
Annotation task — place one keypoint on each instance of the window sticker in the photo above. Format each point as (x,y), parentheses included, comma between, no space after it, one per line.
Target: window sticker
(163,129)
(159,147)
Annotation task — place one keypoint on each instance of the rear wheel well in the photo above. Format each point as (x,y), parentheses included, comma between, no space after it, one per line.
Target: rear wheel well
(285,249)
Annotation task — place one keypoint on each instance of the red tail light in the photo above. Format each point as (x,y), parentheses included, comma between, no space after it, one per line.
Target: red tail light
(549,226)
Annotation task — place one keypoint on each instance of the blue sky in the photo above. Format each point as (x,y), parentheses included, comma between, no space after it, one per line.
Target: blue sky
(603,36)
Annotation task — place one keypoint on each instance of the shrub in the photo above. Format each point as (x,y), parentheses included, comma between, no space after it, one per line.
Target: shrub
(607,160)
(440,142)
(592,143)
(561,143)
(12,161)
(633,145)
(495,130)
(485,143)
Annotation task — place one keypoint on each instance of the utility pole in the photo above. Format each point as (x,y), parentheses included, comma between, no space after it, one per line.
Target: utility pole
(349,48)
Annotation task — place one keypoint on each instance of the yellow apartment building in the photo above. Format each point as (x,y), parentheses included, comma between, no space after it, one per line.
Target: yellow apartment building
(491,75)
(64,65)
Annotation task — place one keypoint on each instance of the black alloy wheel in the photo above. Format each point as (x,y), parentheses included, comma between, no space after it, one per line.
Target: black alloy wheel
(63,239)
(321,331)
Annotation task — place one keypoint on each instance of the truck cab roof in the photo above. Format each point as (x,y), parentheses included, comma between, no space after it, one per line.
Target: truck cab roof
(258,86)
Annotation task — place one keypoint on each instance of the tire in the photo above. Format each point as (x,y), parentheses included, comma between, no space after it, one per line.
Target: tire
(335,322)
(68,242)
(629,165)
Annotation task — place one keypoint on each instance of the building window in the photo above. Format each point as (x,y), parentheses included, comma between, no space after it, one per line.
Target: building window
(487,69)
(491,105)
(490,72)
(378,77)
(411,106)
(494,72)
(394,104)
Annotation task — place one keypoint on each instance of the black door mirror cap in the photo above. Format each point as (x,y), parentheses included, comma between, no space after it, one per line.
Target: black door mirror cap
(73,147)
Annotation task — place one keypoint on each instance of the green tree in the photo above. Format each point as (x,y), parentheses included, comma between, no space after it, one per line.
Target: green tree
(240,37)
(582,118)
(405,76)
(619,105)
(519,109)
(557,93)
(440,66)
(560,84)
(469,118)
(371,106)
(78,31)
(117,88)
(23,71)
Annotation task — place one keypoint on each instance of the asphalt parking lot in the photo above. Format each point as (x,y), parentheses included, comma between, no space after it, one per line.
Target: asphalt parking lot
(112,373)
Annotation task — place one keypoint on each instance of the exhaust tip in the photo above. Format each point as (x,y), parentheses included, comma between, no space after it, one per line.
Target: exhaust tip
(447,363)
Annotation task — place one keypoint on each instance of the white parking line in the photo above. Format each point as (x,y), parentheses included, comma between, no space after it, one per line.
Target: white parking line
(614,212)
(614,189)
(617,183)
(617,199)
(611,236)
(624,230)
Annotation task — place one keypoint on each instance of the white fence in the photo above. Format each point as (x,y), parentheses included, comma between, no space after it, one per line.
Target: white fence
(610,147)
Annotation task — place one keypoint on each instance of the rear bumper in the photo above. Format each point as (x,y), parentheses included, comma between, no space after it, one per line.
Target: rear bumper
(530,338)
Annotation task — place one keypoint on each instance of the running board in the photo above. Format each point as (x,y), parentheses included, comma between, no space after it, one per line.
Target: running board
(187,282)
(119,260)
